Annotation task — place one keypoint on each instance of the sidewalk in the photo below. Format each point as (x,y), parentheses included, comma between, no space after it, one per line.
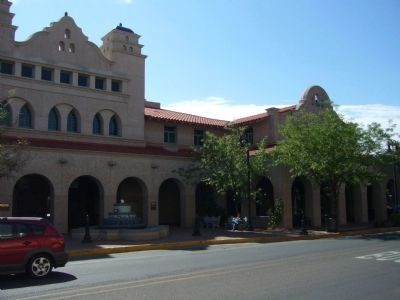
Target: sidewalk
(182,238)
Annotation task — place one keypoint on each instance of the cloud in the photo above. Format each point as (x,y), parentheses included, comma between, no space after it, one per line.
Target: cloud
(218,108)
(366,114)
(125,1)
(223,109)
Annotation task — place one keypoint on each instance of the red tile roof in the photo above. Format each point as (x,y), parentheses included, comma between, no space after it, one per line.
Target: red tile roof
(249,119)
(259,117)
(178,117)
(288,108)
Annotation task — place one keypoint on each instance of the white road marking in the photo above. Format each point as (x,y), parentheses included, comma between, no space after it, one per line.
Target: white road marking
(383,256)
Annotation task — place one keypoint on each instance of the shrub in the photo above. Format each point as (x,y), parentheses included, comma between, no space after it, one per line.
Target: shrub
(395,219)
(277,215)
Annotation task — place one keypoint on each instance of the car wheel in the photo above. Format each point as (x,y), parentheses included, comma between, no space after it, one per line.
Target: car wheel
(40,266)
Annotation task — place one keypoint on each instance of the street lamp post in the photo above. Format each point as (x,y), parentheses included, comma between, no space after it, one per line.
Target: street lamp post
(250,225)
(396,200)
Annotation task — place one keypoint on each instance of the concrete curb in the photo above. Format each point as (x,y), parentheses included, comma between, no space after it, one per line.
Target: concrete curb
(200,243)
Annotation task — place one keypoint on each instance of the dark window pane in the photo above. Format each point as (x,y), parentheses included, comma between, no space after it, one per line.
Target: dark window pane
(37,229)
(169,134)
(65,77)
(6,67)
(248,135)
(25,118)
(20,230)
(113,127)
(97,128)
(198,137)
(27,71)
(71,48)
(6,231)
(116,86)
(83,80)
(100,83)
(72,122)
(53,123)
(47,74)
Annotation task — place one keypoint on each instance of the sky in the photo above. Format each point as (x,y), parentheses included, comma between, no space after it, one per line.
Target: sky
(228,59)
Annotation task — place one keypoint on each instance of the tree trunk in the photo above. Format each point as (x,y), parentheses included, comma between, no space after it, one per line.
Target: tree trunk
(333,220)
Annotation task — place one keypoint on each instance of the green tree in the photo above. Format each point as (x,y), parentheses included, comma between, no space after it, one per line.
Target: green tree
(224,164)
(330,151)
(11,152)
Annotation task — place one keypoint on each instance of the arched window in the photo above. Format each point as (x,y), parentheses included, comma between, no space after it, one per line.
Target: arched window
(113,126)
(67,34)
(72,122)
(61,46)
(54,120)
(97,124)
(25,117)
(5,115)
(71,48)
(248,135)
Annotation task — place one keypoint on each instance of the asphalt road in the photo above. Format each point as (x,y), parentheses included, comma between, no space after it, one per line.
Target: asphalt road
(344,268)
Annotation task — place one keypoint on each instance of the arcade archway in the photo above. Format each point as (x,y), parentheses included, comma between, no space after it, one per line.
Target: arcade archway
(84,198)
(371,203)
(206,204)
(350,203)
(265,199)
(33,197)
(298,201)
(233,204)
(169,203)
(390,198)
(132,191)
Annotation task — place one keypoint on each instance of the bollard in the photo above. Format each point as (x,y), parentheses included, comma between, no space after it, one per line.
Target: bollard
(326,222)
(303,227)
(196,228)
(87,238)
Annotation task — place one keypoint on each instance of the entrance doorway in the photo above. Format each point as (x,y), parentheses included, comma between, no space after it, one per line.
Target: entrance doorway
(33,197)
(350,203)
(371,204)
(169,203)
(131,190)
(206,204)
(298,202)
(84,199)
(390,198)
(265,199)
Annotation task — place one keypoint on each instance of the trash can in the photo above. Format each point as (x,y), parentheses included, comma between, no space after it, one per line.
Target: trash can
(332,225)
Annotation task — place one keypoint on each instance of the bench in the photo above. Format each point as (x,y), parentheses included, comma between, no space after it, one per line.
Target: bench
(210,222)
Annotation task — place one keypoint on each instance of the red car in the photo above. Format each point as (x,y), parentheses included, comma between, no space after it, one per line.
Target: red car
(30,245)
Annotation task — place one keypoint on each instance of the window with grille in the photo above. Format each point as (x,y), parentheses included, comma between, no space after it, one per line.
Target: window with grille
(169,134)
(6,67)
(198,137)
(113,127)
(97,124)
(100,83)
(25,117)
(72,122)
(47,74)
(83,80)
(66,77)
(27,70)
(54,120)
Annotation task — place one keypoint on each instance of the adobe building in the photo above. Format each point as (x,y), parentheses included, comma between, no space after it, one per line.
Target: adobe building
(94,139)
